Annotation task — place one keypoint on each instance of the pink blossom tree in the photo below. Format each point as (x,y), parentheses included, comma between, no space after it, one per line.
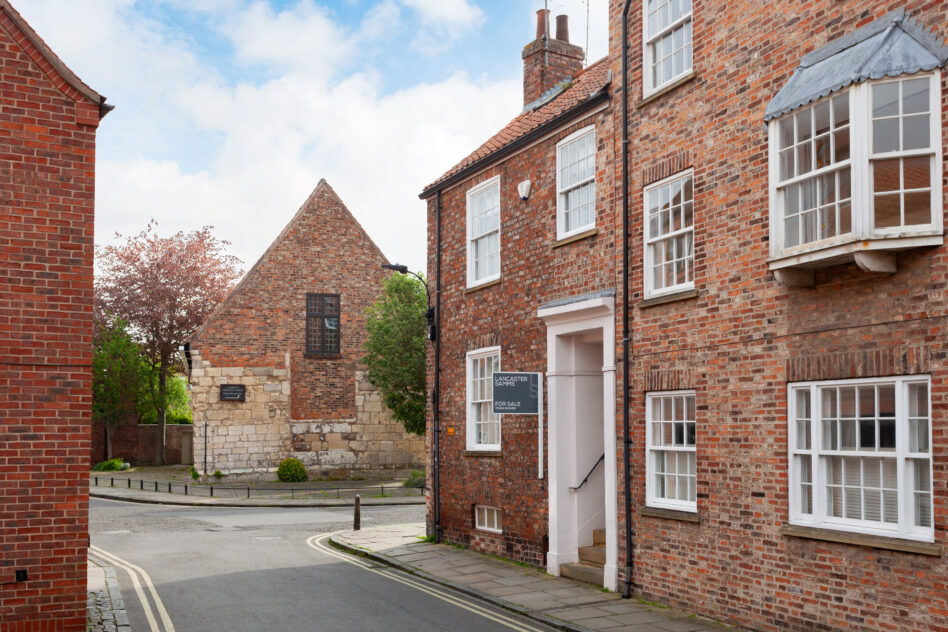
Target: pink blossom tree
(164,288)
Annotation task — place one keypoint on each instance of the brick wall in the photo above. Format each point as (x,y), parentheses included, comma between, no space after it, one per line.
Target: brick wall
(257,338)
(47,188)
(535,270)
(745,336)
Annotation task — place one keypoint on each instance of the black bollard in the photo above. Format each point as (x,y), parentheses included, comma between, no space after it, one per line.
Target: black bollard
(357,516)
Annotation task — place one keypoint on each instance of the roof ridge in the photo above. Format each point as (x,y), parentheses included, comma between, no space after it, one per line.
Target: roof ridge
(310,200)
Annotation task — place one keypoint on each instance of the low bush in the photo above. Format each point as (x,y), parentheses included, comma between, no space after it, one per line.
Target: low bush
(417,479)
(218,475)
(194,474)
(291,471)
(112,465)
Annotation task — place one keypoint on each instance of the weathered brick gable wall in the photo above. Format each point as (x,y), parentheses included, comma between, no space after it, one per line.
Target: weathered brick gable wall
(47,188)
(257,338)
(533,272)
(324,250)
(746,336)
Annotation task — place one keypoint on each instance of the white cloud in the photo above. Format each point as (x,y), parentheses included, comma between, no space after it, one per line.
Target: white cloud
(459,13)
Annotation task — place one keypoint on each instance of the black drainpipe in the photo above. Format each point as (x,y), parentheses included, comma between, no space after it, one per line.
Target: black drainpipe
(436,393)
(626,336)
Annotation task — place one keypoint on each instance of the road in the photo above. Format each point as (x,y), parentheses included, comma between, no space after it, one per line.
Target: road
(255,569)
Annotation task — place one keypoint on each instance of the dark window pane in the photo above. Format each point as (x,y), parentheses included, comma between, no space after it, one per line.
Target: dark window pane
(885,99)
(887,211)
(915,96)
(916,133)
(917,172)
(885,135)
(885,175)
(918,208)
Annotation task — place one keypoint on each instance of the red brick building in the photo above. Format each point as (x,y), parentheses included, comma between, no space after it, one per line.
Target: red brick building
(47,186)
(527,223)
(289,338)
(786,301)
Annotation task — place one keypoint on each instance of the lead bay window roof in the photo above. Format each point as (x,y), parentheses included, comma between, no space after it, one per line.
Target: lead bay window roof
(891,46)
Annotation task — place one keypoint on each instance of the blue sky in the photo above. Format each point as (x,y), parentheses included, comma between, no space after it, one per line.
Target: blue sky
(228,112)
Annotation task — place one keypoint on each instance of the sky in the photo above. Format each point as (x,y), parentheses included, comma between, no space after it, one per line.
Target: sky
(228,112)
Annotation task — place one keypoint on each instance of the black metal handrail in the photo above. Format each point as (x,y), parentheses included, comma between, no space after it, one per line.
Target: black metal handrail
(591,470)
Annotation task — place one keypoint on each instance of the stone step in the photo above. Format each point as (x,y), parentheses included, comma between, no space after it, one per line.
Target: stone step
(599,537)
(595,555)
(583,572)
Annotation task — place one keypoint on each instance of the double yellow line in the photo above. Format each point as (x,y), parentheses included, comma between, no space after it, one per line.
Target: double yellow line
(318,542)
(140,577)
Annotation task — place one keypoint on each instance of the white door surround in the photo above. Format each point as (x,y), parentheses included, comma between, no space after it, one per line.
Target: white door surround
(575,334)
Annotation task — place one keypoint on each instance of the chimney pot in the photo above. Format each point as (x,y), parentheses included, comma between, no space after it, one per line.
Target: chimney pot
(562,28)
(543,22)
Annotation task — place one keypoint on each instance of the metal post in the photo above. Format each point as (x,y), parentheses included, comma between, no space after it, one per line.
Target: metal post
(112,482)
(169,488)
(212,491)
(357,516)
(141,484)
(156,486)
(96,480)
(185,489)
(129,482)
(248,491)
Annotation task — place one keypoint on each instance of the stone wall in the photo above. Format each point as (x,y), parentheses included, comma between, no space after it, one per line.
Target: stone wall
(255,435)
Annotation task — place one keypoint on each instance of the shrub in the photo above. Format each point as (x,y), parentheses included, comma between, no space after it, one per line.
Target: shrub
(291,471)
(218,475)
(112,465)
(194,474)
(417,479)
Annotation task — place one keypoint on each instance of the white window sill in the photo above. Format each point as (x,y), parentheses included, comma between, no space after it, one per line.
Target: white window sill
(677,293)
(495,280)
(795,267)
(490,450)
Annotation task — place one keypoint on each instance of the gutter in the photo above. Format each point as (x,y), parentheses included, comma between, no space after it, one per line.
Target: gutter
(626,337)
(594,100)
(436,393)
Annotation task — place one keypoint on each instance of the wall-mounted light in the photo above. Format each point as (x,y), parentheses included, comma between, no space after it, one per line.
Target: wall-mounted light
(524,190)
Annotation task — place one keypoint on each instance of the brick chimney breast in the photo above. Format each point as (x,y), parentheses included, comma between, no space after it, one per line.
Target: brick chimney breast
(548,61)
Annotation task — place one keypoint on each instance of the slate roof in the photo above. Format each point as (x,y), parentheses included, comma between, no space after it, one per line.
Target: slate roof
(891,46)
(586,85)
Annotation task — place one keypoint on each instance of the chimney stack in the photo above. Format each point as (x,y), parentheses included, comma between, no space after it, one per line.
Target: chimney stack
(562,28)
(548,61)
(543,23)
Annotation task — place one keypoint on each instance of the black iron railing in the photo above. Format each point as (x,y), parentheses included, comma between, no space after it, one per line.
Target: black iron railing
(258,491)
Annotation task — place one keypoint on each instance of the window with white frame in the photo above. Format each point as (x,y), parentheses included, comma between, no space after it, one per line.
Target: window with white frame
(860,456)
(862,164)
(667,39)
(483,425)
(671,468)
(576,182)
(669,235)
(487,519)
(483,232)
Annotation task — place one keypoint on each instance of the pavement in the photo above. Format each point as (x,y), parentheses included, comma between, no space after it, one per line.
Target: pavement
(528,591)
(105,610)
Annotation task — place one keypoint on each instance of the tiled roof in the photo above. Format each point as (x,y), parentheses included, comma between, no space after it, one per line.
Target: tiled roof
(585,85)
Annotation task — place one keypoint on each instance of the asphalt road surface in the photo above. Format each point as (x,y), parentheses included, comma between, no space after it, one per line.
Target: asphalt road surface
(261,569)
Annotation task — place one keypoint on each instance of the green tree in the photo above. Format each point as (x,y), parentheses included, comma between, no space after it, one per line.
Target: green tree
(395,349)
(118,384)
(177,399)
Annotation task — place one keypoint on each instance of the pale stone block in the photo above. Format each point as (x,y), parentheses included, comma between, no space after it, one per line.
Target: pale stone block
(213,371)
(197,373)
(286,388)
(386,446)
(232,371)
(272,387)
(360,400)
(263,370)
(280,372)
(357,446)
